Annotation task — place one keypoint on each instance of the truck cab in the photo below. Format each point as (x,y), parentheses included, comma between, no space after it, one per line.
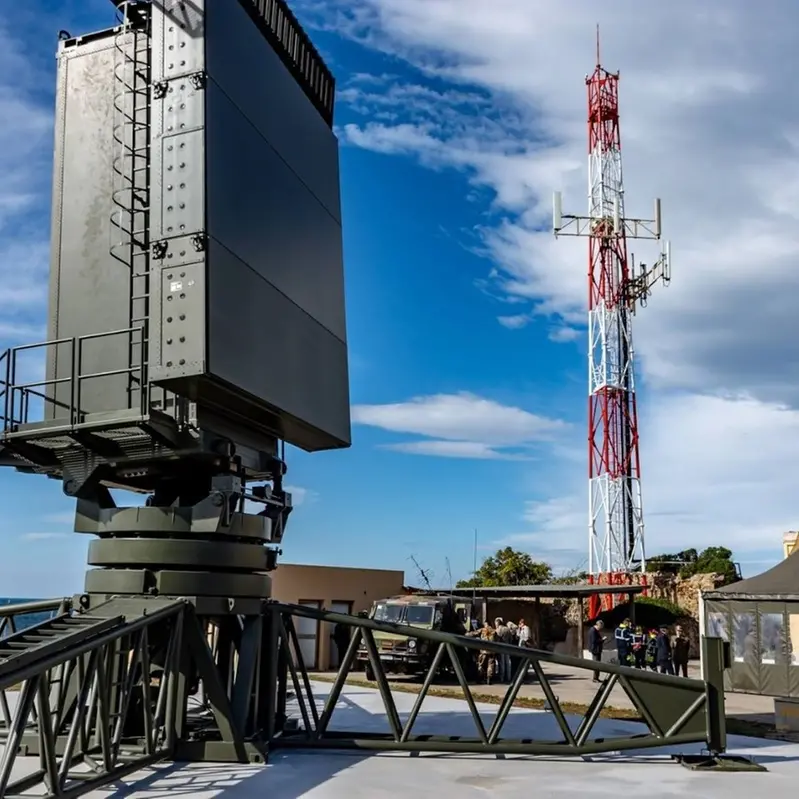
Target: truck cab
(401,654)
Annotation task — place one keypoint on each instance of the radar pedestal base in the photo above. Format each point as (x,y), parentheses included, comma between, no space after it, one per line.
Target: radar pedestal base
(210,548)
(184,653)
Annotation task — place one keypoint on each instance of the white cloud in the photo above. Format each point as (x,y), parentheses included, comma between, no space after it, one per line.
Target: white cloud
(514,322)
(301,495)
(25,163)
(65,518)
(43,536)
(475,450)
(563,334)
(460,425)
(708,124)
(715,471)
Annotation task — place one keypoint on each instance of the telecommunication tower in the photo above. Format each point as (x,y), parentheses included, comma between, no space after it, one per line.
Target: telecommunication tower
(615,288)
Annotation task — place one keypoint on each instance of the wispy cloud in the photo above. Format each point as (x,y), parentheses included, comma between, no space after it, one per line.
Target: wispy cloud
(461,425)
(25,163)
(42,536)
(708,125)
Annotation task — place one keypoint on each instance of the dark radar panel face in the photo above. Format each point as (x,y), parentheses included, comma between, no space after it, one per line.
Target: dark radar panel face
(252,292)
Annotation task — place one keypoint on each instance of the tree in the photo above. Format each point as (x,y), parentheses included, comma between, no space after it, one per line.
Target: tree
(672,563)
(572,577)
(508,567)
(713,560)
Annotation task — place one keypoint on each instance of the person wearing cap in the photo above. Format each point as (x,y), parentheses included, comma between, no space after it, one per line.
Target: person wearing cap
(663,652)
(624,640)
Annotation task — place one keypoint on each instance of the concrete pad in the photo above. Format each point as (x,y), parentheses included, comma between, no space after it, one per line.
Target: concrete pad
(329,775)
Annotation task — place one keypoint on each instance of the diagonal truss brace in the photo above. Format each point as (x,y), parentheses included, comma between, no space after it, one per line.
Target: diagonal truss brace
(675,710)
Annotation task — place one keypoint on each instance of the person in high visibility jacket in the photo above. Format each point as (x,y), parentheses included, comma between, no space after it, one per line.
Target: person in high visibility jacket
(639,647)
(623,636)
(652,650)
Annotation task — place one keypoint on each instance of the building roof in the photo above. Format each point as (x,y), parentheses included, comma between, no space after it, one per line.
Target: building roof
(548,591)
(780,583)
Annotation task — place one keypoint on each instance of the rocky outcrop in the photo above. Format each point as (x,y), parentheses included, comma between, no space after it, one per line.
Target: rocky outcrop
(683,592)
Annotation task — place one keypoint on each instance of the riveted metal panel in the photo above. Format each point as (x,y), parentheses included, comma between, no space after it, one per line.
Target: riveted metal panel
(177,221)
(182,181)
(178,34)
(182,320)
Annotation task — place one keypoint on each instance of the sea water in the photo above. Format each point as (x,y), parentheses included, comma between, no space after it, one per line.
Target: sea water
(24,621)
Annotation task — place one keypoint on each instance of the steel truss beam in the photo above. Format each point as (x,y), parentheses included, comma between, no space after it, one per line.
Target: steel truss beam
(675,710)
(111,686)
(99,694)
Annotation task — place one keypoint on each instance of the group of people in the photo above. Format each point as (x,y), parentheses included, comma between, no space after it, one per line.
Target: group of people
(491,665)
(657,650)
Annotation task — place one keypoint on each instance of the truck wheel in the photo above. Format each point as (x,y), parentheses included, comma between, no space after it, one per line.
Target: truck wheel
(369,673)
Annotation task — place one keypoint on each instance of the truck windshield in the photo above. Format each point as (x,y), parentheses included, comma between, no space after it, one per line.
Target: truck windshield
(392,613)
(419,614)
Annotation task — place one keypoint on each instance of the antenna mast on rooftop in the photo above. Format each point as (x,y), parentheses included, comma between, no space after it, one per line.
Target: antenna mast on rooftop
(615,288)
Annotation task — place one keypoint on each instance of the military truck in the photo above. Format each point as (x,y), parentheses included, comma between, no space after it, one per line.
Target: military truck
(400,654)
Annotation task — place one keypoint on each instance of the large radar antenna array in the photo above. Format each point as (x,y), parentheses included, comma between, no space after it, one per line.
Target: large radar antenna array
(196,327)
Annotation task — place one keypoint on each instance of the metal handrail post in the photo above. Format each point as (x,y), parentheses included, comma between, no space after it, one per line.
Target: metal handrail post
(715,658)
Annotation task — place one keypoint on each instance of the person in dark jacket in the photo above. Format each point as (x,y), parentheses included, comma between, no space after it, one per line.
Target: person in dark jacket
(652,650)
(680,649)
(624,640)
(639,647)
(596,643)
(663,650)
(341,637)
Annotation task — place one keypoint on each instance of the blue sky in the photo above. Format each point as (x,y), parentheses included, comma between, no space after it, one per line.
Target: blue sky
(467,345)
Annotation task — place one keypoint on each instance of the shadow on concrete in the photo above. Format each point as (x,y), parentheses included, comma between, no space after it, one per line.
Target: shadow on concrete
(287,776)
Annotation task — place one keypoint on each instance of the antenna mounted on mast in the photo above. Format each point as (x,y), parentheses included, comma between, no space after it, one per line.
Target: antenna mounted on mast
(598,60)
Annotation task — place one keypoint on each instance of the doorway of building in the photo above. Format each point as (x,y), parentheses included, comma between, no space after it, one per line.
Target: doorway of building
(308,634)
(336,607)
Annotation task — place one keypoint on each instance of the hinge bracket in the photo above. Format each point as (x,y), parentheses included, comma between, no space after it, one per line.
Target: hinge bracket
(198,80)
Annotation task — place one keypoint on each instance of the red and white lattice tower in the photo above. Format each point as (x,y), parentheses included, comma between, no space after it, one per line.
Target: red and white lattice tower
(615,287)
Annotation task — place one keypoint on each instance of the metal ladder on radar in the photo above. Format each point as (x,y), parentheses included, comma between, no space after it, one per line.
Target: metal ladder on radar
(130,217)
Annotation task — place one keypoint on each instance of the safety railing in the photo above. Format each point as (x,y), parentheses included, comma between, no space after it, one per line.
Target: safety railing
(675,710)
(96,711)
(61,396)
(17,616)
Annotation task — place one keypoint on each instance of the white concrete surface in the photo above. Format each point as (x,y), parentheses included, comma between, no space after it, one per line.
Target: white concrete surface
(328,775)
